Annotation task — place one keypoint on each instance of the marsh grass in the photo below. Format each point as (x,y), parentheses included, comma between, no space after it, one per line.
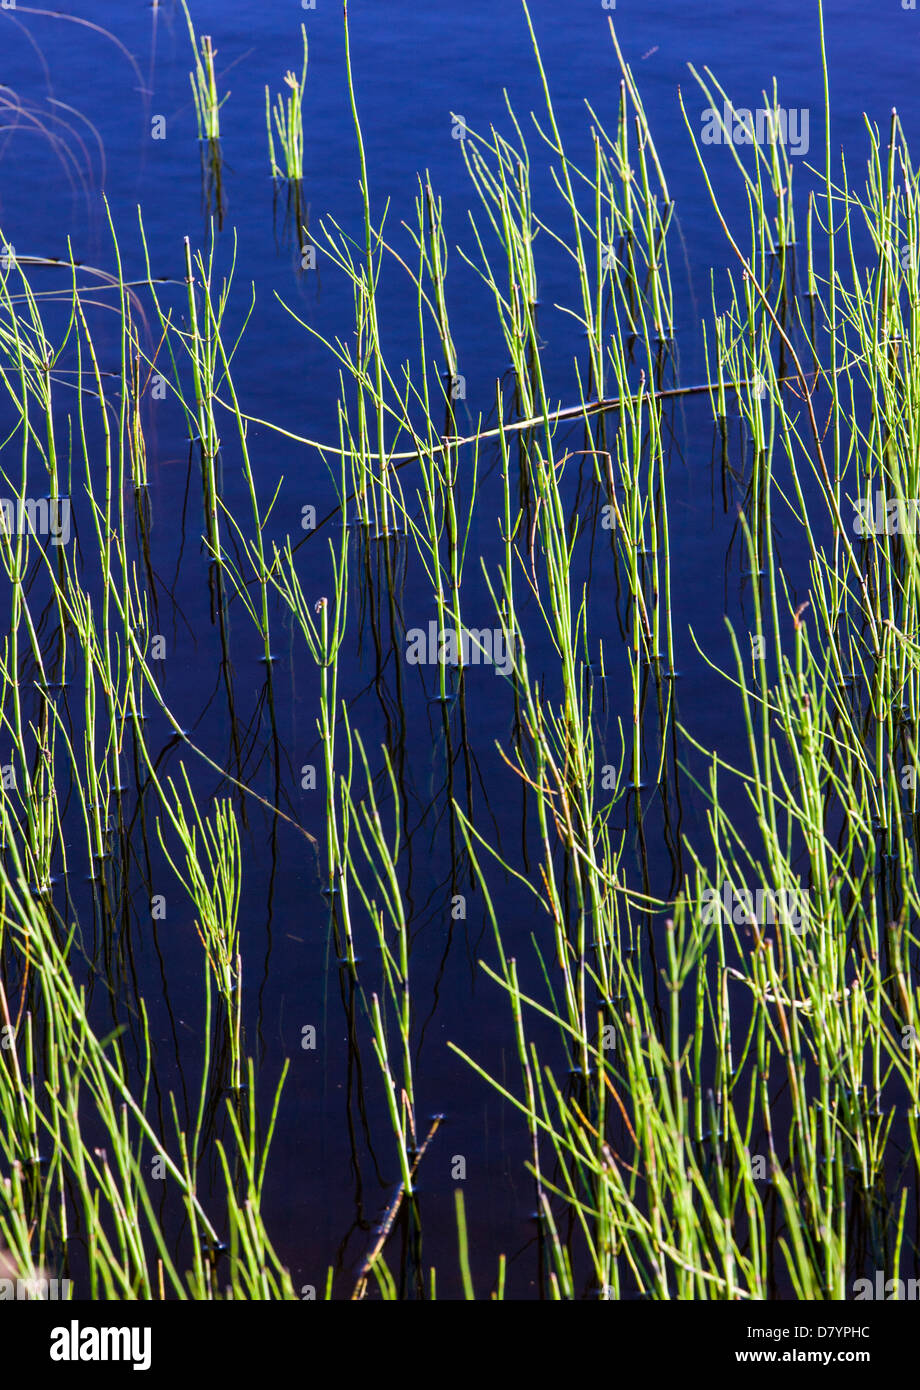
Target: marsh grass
(659,1051)
(287,112)
(204,83)
(212,879)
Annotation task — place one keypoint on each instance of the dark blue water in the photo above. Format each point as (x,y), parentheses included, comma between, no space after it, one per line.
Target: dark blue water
(83,89)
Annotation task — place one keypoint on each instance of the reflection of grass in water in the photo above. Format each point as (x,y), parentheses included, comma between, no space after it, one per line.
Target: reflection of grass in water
(735,1092)
(24,116)
(19,117)
(13,16)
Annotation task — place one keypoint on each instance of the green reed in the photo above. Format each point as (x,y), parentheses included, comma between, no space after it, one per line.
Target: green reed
(204,83)
(288,116)
(707,1102)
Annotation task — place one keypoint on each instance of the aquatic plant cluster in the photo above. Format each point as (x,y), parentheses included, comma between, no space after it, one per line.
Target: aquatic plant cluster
(714,1083)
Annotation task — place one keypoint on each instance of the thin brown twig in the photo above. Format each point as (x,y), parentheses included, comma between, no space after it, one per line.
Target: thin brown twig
(393,1211)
